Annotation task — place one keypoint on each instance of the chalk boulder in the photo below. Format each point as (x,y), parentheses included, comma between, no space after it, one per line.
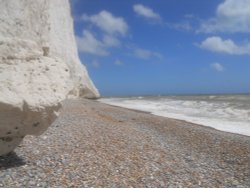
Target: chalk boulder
(39,67)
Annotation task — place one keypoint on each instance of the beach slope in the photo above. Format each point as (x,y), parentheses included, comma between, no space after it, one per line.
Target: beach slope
(96,145)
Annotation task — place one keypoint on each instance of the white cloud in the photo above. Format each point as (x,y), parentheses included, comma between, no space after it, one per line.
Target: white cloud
(95,64)
(107,22)
(216,44)
(189,16)
(145,54)
(111,41)
(146,12)
(89,44)
(118,62)
(231,16)
(113,28)
(183,26)
(217,66)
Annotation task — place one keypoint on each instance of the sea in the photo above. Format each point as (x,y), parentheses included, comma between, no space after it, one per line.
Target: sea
(229,113)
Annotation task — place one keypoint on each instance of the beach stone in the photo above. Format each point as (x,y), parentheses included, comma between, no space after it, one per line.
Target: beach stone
(39,67)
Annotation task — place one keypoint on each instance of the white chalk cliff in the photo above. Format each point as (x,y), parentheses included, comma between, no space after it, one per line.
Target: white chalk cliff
(39,67)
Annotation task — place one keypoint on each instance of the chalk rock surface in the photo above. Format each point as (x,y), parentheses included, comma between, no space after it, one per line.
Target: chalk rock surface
(39,67)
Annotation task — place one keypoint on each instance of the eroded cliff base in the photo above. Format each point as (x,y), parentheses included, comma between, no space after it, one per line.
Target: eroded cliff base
(39,67)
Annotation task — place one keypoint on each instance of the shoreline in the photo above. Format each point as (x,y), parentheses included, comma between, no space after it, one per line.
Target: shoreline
(93,144)
(187,121)
(169,118)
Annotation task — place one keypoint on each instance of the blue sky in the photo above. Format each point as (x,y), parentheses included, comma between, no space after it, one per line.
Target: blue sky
(156,47)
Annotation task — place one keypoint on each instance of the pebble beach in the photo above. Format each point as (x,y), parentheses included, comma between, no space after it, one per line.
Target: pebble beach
(92,144)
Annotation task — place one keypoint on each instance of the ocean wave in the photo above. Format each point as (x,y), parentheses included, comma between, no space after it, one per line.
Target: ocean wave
(226,113)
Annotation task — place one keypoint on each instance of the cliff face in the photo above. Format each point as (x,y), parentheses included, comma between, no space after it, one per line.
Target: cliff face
(39,67)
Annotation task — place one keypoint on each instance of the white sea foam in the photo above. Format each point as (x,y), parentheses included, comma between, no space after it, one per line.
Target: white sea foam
(230,113)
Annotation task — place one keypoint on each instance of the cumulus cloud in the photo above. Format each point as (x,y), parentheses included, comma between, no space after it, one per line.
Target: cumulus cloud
(217,44)
(146,12)
(217,66)
(112,29)
(89,44)
(107,22)
(111,41)
(145,54)
(231,16)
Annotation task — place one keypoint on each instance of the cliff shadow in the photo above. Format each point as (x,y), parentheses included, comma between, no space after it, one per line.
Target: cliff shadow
(11,160)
